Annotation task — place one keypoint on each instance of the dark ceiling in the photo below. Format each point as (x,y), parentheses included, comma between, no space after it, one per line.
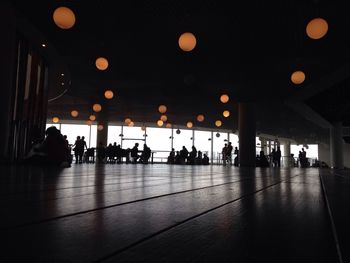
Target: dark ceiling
(247,49)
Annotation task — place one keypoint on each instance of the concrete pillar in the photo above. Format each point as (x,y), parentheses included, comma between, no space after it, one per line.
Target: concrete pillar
(288,160)
(247,134)
(337,146)
(102,135)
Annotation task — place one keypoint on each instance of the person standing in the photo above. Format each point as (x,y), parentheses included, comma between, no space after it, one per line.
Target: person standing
(278,156)
(223,153)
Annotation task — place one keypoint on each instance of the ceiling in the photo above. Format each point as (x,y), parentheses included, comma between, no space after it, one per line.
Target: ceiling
(247,50)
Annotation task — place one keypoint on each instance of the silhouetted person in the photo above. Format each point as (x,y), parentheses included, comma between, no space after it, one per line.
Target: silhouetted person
(223,153)
(134,153)
(192,155)
(205,159)
(171,157)
(146,154)
(199,158)
(274,157)
(302,157)
(183,155)
(229,153)
(263,162)
(177,158)
(278,156)
(236,160)
(78,150)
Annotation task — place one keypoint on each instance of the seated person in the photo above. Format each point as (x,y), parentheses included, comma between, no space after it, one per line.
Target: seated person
(146,154)
(177,158)
(263,160)
(134,153)
(171,157)
(205,159)
(199,158)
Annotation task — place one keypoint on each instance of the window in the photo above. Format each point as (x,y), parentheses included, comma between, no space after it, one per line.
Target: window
(113,134)
(202,142)
(183,139)
(131,136)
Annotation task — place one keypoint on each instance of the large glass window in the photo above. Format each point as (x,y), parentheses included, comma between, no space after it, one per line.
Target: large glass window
(114,134)
(183,139)
(131,136)
(202,141)
(74,130)
(311,150)
(159,140)
(220,138)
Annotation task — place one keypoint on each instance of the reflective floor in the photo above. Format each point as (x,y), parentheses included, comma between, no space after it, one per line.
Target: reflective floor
(161,213)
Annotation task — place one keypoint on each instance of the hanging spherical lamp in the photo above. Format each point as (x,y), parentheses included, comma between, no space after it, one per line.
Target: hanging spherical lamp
(218,123)
(96,107)
(55,120)
(100,127)
(187,41)
(317,28)
(200,118)
(298,77)
(92,117)
(160,123)
(64,17)
(162,109)
(88,122)
(178,131)
(226,113)
(109,94)
(74,113)
(127,121)
(101,63)
(164,118)
(224,98)
(168,125)
(189,124)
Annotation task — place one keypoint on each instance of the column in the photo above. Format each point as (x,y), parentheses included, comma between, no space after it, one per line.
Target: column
(212,147)
(102,133)
(288,160)
(247,133)
(337,147)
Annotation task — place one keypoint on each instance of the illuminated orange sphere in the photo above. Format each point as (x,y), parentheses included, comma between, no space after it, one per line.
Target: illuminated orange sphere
(226,113)
(64,17)
(187,42)
(298,77)
(162,109)
(224,98)
(200,118)
(55,120)
(74,113)
(317,28)
(127,121)
(218,123)
(160,123)
(168,125)
(97,107)
(100,127)
(109,94)
(189,125)
(164,118)
(101,63)
(92,118)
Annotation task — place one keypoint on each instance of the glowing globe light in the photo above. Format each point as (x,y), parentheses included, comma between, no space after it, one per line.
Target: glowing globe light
(224,98)
(92,118)
(160,123)
(168,125)
(187,42)
(96,107)
(74,113)
(55,120)
(298,77)
(189,125)
(131,124)
(226,113)
(109,94)
(200,118)
(100,127)
(218,123)
(101,63)
(317,28)
(164,118)
(127,121)
(64,17)
(88,122)
(162,109)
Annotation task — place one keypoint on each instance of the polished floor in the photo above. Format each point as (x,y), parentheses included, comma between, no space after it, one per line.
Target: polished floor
(161,213)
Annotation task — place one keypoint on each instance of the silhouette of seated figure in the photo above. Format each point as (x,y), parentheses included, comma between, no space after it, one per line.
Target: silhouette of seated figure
(183,155)
(134,153)
(263,162)
(171,157)
(177,158)
(205,159)
(192,156)
(199,158)
(146,154)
